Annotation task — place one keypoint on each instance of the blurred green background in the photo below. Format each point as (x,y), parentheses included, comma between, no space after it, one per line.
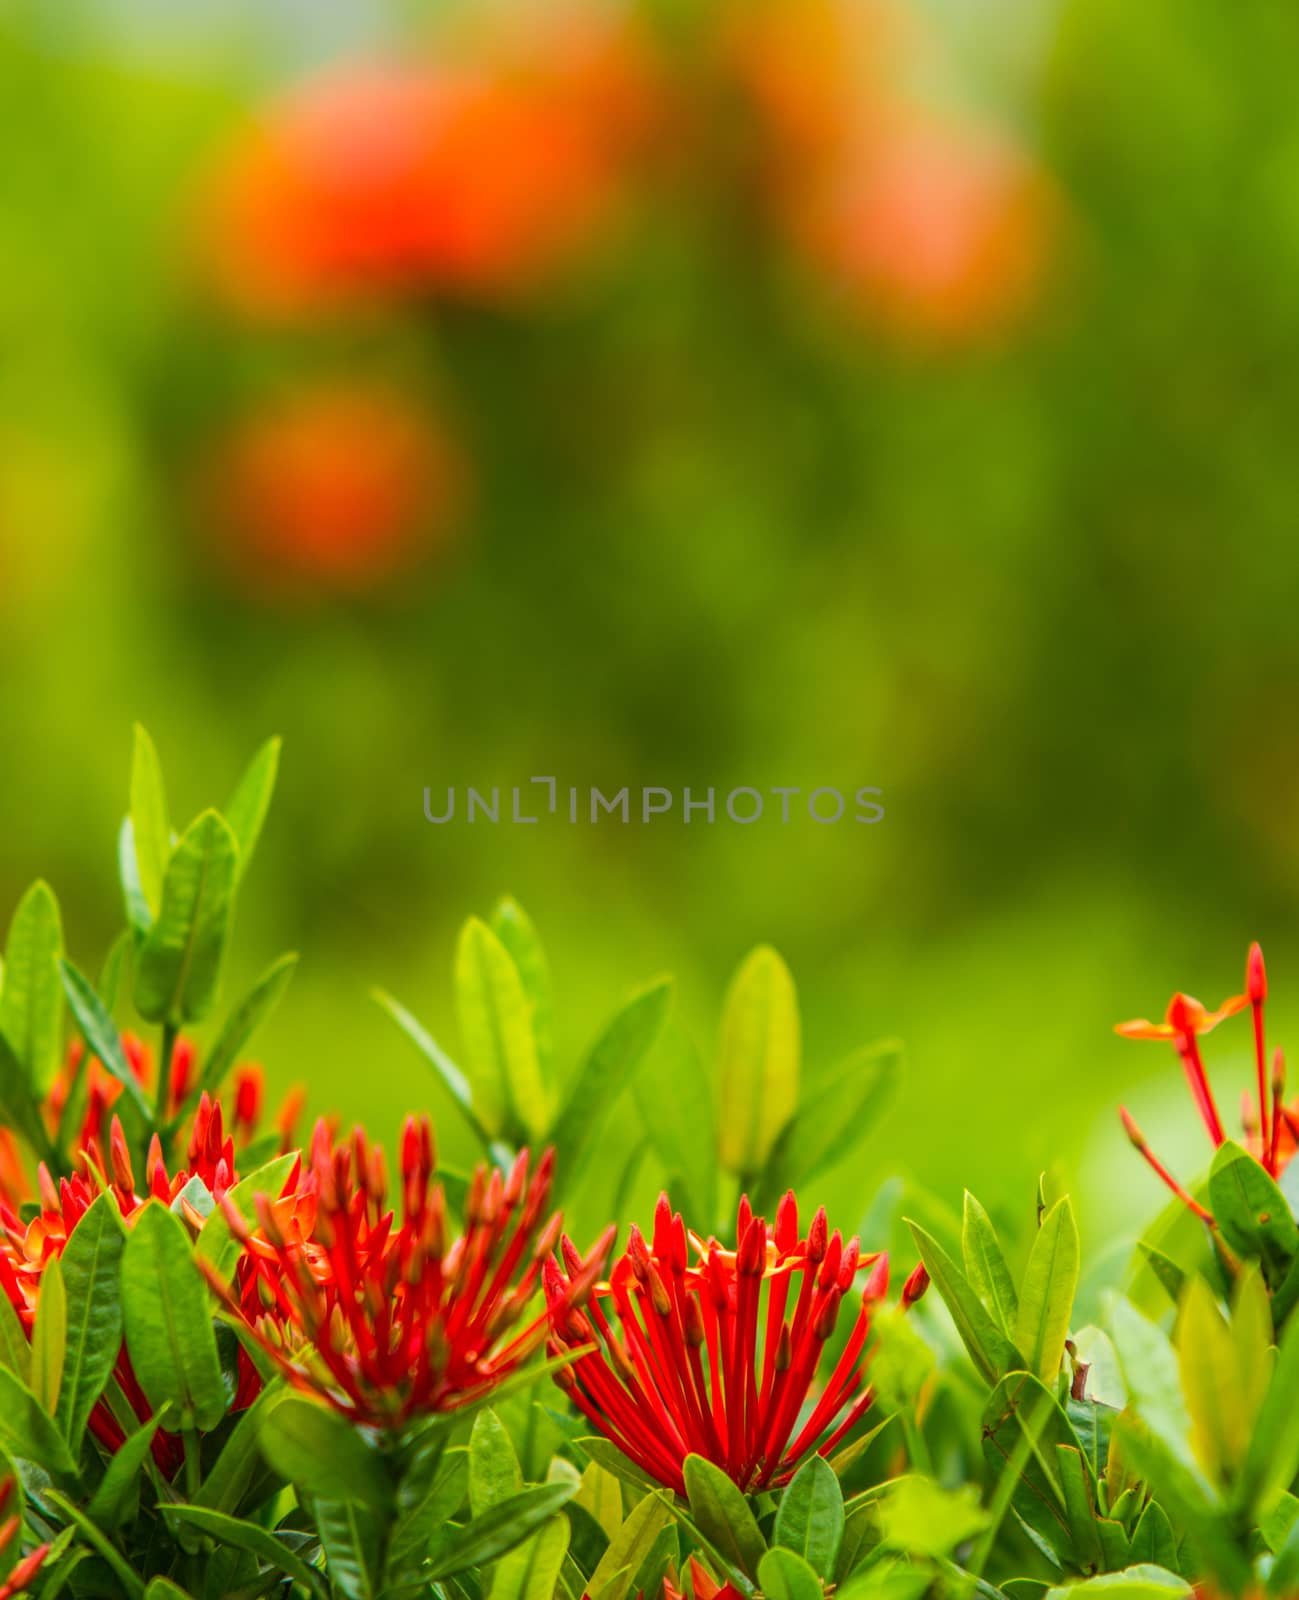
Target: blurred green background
(825,452)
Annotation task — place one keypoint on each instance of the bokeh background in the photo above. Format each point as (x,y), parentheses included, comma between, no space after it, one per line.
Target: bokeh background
(748,392)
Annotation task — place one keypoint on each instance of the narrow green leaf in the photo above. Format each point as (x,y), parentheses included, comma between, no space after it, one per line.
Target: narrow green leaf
(244,1021)
(759,1062)
(179,964)
(990,1349)
(454,1080)
(317,1450)
(1150,1375)
(423,1509)
(1251,1212)
(724,1515)
(630,1546)
(27,1430)
(504,1526)
(496,1027)
(1152,1539)
(150,827)
(19,1105)
(1023,1428)
(92,1264)
(257,1541)
(985,1265)
(609,1067)
(50,1336)
(810,1519)
(513,927)
(611,1459)
(494,1472)
(110,974)
(1170,1275)
(139,914)
(783,1575)
(245,811)
(100,1033)
(117,1493)
(31,999)
(168,1320)
(1046,1295)
(130,1580)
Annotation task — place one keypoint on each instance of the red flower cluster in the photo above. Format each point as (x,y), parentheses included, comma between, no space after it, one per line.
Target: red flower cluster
(702,1366)
(477,178)
(1271,1129)
(387,1320)
(703,1585)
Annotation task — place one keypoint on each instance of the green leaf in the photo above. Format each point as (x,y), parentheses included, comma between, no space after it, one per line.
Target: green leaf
(19,1106)
(609,1066)
(1080,1508)
(990,1349)
(1211,1383)
(132,1585)
(179,964)
(629,1547)
(168,1320)
(100,1033)
(165,1589)
(759,1062)
(423,1506)
(504,1526)
(985,1265)
(1272,1459)
(1170,1275)
(918,1517)
(674,1102)
(453,1079)
(245,811)
(513,927)
(531,1570)
(150,827)
(257,1541)
(724,1515)
(50,1336)
(1150,1375)
(31,999)
(1251,1212)
(92,1264)
(783,1575)
(1025,1427)
(811,1518)
(319,1451)
(1046,1295)
(139,916)
(352,1538)
(15,1349)
(244,1021)
(494,1472)
(118,1491)
(27,1430)
(834,1117)
(607,1455)
(110,974)
(1152,1540)
(1133,1583)
(496,1027)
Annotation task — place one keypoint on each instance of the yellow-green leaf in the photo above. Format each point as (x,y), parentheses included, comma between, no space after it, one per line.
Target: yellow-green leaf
(1046,1294)
(496,1026)
(759,1062)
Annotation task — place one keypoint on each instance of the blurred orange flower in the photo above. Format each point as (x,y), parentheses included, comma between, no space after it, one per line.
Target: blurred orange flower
(934,230)
(338,489)
(475,179)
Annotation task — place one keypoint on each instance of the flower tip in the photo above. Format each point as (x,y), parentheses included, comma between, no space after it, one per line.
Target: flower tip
(1255,975)
(1130,1128)
(915,1286)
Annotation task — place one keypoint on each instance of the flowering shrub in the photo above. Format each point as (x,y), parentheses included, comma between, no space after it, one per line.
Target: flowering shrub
(230,1366)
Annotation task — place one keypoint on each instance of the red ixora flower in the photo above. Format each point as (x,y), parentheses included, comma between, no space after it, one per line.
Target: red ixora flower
(26,1569)
(1271,1130)
(703,1584)
(701,1368)
(388,1320)
(27,1247)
